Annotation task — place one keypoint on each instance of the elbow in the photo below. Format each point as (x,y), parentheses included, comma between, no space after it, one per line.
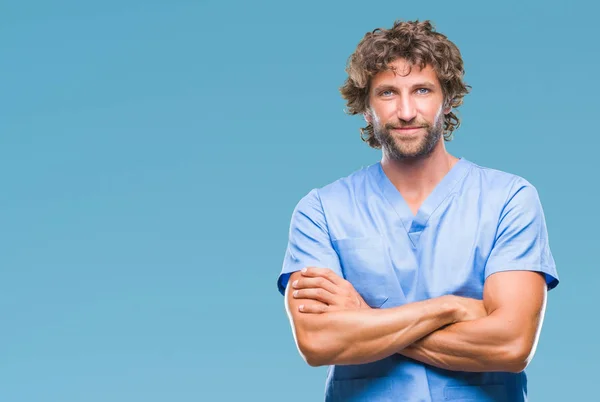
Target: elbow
(313,355)
(516,367)
(314,360)
(312,351)
(518,356)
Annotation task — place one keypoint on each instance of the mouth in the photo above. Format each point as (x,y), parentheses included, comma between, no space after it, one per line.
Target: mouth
(406,129)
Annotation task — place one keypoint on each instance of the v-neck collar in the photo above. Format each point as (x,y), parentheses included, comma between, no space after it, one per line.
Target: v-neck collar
(414,224)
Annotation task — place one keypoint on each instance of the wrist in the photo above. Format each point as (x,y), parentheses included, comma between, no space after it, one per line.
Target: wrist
(452,311)
(365,306)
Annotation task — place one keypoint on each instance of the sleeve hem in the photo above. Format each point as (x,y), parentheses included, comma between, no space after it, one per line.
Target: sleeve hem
(549,273)
(284,276)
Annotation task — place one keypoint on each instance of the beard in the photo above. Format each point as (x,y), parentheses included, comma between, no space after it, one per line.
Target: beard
(414,148)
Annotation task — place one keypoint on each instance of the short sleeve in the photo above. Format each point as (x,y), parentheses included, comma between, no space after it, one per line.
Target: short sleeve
(309,243)
(522,239)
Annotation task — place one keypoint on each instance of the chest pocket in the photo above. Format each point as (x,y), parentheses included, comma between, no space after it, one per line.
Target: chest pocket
(365,264)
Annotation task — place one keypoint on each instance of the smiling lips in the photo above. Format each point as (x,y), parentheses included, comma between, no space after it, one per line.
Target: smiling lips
(406,128)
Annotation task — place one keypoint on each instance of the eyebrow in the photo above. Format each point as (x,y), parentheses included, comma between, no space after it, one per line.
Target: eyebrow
(424,84)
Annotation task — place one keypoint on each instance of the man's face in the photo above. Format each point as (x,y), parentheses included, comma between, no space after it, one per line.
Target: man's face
(406,110)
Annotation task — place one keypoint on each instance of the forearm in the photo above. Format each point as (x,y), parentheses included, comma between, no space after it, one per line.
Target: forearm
(486,344)
(366,335)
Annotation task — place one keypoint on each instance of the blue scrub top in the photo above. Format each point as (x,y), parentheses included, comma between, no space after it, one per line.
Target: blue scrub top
(477,221)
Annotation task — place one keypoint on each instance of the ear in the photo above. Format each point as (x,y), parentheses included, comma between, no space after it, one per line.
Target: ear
(447,107)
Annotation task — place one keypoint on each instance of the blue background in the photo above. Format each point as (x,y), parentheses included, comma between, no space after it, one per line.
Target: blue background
(152,153)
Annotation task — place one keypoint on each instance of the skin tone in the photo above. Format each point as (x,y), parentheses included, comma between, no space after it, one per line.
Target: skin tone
(347,331)
(499,333)
(331,322)
(406,111)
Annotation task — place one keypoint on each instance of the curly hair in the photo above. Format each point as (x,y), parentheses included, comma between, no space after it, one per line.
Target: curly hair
(420,45)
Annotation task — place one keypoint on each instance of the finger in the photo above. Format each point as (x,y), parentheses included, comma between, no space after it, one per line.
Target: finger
(312,307)
(319,282)
(314,294)
(326,273)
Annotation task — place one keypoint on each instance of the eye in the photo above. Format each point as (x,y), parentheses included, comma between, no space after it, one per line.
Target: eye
(423,91)
(386,92)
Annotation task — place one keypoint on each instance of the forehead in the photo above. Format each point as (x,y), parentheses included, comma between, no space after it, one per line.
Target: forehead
(401,73)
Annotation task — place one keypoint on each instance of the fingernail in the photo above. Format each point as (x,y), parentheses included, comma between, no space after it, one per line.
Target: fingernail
(295,283)
(304,269)
(301,307)
(295,293)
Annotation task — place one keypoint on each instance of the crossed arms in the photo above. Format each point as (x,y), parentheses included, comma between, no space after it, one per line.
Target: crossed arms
(333,325)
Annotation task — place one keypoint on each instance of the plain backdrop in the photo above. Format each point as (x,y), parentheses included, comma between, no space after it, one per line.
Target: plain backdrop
(152,152)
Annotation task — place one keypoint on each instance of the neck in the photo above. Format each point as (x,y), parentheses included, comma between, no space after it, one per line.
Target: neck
(415,178)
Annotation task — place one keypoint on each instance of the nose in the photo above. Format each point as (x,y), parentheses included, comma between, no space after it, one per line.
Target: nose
(406,109)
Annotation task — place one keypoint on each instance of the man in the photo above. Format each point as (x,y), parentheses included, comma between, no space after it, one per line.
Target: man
(422,277)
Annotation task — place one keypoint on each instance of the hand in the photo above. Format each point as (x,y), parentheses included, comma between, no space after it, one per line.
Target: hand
(325,286)
(469,309)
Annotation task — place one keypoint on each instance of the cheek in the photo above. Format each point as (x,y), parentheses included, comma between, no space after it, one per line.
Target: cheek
(383,112)
(431,110)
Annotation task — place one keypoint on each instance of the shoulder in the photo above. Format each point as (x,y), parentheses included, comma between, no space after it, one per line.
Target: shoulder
(508,183)
(339,195)
(501,184)
(343,188)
